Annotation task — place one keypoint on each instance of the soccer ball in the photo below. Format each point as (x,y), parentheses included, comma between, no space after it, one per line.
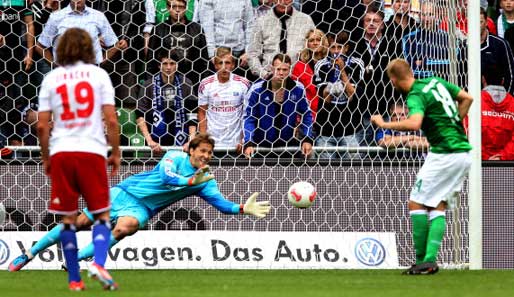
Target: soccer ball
(301,194)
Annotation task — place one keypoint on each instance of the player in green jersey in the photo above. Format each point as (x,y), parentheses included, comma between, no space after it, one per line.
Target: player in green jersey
(437,107)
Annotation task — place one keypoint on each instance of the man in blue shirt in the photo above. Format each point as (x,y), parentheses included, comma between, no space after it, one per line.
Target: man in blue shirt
(274,109)
(427,48)
(141,196)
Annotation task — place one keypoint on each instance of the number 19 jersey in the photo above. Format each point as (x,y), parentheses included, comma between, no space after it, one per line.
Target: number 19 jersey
(434,98)
(75,95)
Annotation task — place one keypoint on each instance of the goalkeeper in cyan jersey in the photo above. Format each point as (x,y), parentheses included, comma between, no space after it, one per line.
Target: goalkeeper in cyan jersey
(433,107)
(141,196)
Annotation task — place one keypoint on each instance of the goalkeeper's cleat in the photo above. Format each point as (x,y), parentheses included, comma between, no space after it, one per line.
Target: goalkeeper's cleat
(423,268)
(77,286)
(18,263)
(99,273)
(412,270)
(428,268)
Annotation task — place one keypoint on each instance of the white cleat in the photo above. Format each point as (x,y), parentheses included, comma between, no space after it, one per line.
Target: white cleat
(99,273)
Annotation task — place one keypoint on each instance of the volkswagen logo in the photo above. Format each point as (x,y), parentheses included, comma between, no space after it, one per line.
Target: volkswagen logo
(370,252)
(4,252)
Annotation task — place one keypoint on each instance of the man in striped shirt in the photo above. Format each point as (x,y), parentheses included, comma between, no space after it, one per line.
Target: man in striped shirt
(221,98)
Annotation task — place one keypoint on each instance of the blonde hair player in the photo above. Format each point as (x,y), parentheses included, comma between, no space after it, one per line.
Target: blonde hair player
(437,107)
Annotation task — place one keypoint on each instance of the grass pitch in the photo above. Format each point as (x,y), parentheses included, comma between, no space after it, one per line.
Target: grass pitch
(264,283)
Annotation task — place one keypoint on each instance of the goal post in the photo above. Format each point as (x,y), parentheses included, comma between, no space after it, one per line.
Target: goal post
(475,137)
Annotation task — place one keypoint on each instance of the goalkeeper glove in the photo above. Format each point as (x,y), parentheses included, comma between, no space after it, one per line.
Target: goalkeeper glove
(201,175)
(258,209)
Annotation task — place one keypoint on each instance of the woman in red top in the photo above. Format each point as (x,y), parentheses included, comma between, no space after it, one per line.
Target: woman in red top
(315,49)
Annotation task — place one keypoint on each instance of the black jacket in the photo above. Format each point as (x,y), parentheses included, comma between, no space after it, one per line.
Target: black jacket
(496,50)
(378,89)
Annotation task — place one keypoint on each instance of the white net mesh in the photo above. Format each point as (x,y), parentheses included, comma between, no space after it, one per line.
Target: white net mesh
(363,175)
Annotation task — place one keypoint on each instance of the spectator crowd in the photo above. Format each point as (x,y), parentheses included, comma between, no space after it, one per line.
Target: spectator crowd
(260,73)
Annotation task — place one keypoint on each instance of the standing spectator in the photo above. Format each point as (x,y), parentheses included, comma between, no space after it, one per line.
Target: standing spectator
(401,23)
(27,128)
(334,16)
(77,15)
(77,94)
(376,52)
(186,38)
(227,23)
(126,18)
(281,30)
(339,118)
(495,50)
(392,139)
(506,18)
(166,101)
(427,48)
(316,49)
(221,100)
(42,11)
(272,111)
(158,12)
(497,117)
(16,25)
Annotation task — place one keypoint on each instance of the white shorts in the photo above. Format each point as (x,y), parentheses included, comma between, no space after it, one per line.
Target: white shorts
(440,179)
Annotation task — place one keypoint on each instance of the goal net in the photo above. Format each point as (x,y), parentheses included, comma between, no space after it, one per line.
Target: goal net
(363,178)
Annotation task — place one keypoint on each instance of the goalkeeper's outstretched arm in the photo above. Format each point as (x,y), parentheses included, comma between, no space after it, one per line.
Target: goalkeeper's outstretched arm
(213,196)
(259,209)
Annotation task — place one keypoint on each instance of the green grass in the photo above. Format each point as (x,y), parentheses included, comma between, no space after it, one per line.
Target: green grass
(267,283)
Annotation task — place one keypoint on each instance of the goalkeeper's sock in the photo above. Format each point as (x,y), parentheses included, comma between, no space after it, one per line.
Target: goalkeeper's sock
(419,219)
(89,250)
(50,238)
(101,239)
(435,235)
(69,248)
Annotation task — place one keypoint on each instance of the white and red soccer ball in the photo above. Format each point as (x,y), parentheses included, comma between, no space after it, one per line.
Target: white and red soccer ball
(301,194)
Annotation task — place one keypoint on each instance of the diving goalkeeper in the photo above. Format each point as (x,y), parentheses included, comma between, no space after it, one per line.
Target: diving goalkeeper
(141,196)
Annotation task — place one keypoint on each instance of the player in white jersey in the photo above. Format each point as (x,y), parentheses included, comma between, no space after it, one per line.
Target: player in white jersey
(221,100)
(74,149)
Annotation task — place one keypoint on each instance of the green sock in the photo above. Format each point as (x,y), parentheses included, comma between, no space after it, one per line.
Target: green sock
(419,220)
(435,237)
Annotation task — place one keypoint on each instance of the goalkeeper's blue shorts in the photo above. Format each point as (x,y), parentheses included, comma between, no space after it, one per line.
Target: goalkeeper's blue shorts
(124,205)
